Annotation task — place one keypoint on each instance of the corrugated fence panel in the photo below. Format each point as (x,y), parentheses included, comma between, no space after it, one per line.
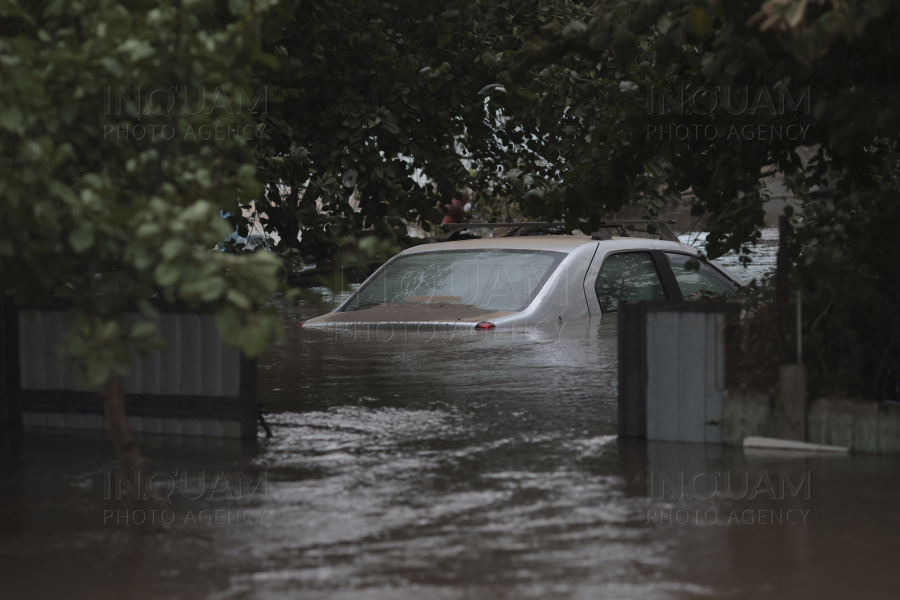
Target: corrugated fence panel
(211,349)
(135,376)
(684,375)
(195,386)
(662,365)
(170,358)
(9,349)
(53,362)
(41,367)
(194,363)
(691,376)
(231,370)
(31,365)
(681,361)
(190,354)
(715,364)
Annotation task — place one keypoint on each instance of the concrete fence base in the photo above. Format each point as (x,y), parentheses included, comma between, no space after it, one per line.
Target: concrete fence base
(861,425)
(227,428)
(746,414)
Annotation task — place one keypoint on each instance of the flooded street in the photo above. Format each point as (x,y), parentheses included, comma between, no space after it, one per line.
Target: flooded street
(482,466)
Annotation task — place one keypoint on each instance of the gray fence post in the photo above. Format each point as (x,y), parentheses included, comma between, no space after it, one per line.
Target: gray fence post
(9,345)
(793,402)
(632,373)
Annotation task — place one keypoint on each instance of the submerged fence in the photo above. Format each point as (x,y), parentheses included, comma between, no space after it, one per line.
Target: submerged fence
(195,386)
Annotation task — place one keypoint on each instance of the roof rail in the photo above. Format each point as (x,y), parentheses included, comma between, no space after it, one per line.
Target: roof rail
(446,226)
(661,224)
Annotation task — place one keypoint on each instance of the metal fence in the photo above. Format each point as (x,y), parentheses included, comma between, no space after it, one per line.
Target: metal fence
(672,369)
(195,386)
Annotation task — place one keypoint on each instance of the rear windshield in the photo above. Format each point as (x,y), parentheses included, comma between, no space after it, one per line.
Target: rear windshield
(506,280)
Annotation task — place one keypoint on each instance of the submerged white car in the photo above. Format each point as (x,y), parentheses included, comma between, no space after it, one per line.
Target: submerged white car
(523,281)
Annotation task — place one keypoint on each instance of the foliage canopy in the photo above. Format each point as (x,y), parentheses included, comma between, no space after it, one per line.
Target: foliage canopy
(380,111)
(112,192)
(709,98)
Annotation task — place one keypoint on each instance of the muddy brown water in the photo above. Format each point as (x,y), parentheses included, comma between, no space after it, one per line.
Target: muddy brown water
(474,467)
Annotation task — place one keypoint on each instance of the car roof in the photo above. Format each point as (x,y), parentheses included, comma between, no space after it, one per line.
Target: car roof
(549,243)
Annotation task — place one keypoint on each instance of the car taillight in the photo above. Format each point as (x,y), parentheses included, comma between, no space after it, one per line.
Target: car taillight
(485,325)
(300,324)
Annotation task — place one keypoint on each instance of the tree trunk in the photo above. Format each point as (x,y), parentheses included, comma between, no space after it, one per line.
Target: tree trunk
(112,392)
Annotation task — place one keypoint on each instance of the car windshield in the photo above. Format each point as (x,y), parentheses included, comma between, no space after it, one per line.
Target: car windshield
(497,280)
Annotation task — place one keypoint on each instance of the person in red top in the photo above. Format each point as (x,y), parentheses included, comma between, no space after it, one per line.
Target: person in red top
(456,211)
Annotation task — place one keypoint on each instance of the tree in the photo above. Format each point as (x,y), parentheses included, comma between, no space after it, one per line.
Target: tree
(113,185)
(379,112)
(690,86)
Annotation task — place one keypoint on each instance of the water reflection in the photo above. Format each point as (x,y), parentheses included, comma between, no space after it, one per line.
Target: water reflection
(762,257)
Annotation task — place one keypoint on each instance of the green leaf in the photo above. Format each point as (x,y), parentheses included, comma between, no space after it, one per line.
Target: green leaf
(699,20)
(11,118)
(166,274)
(239,299)
(138,49)
(143,330)
(81,238)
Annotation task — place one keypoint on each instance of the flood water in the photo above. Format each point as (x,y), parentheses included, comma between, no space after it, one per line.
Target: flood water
(475,467)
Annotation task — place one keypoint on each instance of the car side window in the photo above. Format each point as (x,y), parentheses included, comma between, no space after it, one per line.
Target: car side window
(628,277)
(695,284)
